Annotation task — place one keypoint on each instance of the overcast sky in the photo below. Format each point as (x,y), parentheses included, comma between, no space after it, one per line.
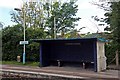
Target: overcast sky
(86,10)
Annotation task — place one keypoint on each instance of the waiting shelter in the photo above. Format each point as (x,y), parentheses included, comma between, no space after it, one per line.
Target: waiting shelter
(82,50)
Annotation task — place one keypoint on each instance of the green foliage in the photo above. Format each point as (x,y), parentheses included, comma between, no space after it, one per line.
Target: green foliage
(72,34)
(110,52)
(43,16)
(11,47)
(10,40)
(64,17)
(115,22)
(33,48)
(33,15)
(112,19)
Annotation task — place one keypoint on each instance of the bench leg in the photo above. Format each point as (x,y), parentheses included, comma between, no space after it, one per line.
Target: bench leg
(59,64)
(83,65)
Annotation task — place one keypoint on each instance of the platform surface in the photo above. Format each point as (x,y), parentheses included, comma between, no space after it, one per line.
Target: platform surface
(65,71)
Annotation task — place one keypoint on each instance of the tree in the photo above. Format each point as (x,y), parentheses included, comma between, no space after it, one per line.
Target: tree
(72,34)
(32,49)
(10,40)
(62,18)
(115,22)
(48,15)
(115,26)
(106,7)
(11,37)
(33,15)
(112,18)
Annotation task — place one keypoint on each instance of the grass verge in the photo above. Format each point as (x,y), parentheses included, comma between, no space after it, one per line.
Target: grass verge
(20,63)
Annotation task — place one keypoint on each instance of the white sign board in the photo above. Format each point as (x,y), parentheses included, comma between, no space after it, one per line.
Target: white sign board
(23,42)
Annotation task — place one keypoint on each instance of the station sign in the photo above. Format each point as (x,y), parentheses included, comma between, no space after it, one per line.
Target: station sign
(23,42)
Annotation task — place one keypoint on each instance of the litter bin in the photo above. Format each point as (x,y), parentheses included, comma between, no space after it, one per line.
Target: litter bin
(18,58)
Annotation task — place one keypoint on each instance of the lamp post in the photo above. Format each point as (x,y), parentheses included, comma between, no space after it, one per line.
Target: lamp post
(17,9)
(54,28)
